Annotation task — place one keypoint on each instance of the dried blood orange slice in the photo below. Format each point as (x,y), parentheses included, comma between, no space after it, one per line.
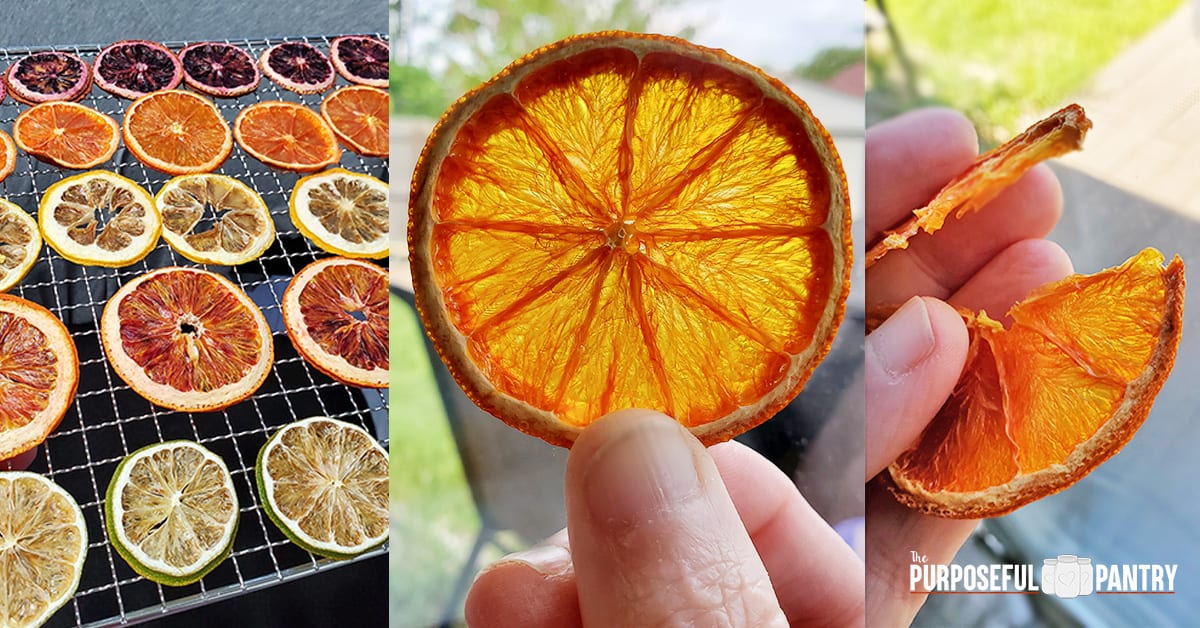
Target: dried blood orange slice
(336,313)
(214,219)
(358,116)
(48,76)
(343,212)
(67,134)
(187,339)
(8,154)
(325,484)
(361,59)
(1042,403)
(286,135)
(621,220)
(133,68)
(20,244)
(99,218)
(219,69)
(39,370)
(298,66)
(177,132)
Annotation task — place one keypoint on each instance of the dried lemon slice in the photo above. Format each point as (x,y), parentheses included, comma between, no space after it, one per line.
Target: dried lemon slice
(325,484)
(171,511)
(343,212)
(45,544)
(214,219)
(20,243)
(99,218)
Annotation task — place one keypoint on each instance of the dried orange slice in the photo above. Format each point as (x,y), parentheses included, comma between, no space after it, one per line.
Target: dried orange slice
(621,220)
(67,134)
(343,212)
(1044,402)
(214,219)
(187,339)
(20,244)
(336,313)
(8,155)
(39,370)
(177,132)
(358,116)
(286,135)
(99,218)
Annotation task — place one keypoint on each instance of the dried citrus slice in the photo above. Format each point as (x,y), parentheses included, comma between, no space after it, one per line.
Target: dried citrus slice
(621,220)
(45,545)
(8,154)
(336,313)
(51,75)
(99,218)
(171,511)
(214,219)
(1042,403)
(219,69)
(343,212)
(358,116)
(361,59)
(67,134)
(325,484)
(286,135)
(187,339)
(133,68)
(39,371)
(177,132)
(20,244)
(298,66)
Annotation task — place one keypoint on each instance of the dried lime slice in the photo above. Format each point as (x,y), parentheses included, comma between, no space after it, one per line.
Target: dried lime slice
(343,212)
(43,549)
(171,511)
(20,244)
(214,219)
(325,484)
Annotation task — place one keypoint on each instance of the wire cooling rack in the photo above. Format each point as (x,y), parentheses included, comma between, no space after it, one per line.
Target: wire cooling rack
(109,420)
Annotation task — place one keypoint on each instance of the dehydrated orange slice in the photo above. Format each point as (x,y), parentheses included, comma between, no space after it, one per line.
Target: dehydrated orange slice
(336,313)
(99,218)
(177,132)
(8,155)
(286,135)
(67,134)
(1044,402)
(39,370)
(358,116)
(187,339)
(621,220)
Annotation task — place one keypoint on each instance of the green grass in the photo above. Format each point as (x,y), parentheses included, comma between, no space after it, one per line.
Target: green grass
(1003,63)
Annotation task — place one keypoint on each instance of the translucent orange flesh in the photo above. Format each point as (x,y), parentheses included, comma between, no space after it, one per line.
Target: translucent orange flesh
(287,134)
(189,332)
(28,371)
(345,309)
(623,231)
(179,129)
(1030,394)
(362,116)
(66,133)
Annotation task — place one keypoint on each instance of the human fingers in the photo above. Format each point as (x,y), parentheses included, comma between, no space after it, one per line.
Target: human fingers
(530,589)
(1012,275)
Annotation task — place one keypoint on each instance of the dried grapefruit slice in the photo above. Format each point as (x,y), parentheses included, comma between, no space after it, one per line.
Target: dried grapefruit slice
(177,132)
(324,483)
(67,134)
(214,219)
(8,155)
(39,371)
(187,339)
(361,59)
(1042,403)
(286,135)
(20,244)
(48,76)
(99,218)
(336,313)
(621,220)
(133,68)
(343,212)
(298,66)
(219,69)
(171,511)
(358,116)
(45,545)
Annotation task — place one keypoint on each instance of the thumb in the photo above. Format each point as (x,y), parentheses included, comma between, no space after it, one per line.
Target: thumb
(654,535)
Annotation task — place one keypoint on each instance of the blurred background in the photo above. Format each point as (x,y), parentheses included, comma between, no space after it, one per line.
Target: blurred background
(1132,65)
(466,488)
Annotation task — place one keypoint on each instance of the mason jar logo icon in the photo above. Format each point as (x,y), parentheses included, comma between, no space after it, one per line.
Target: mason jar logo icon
(1067,576)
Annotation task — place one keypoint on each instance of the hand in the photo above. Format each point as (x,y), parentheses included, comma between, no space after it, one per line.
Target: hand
(985,261)
(661,531)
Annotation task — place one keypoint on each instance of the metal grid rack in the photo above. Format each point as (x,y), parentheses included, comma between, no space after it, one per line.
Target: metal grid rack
(109,420)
